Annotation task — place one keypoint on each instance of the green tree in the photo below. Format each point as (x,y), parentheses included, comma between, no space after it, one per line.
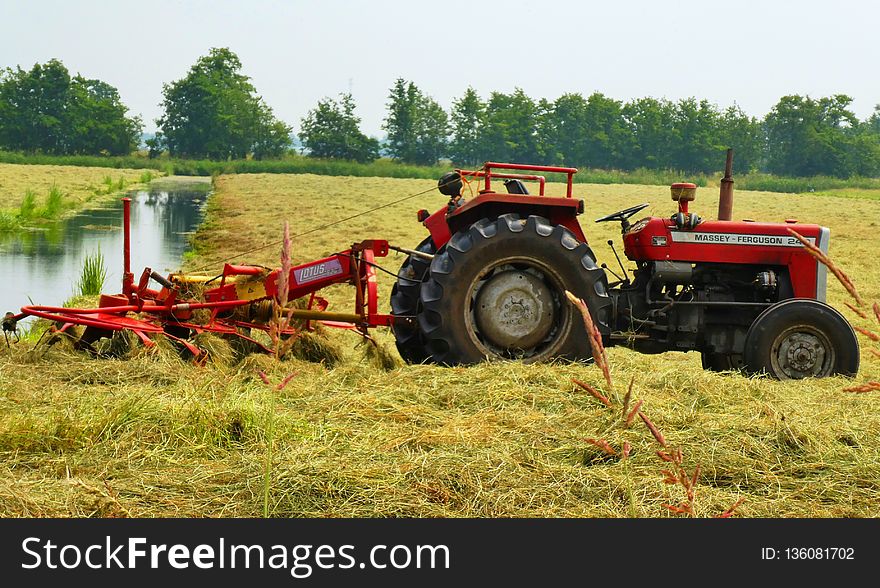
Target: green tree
(511,133)
(46,110)
(808,137)
(417,127)
(331,130)
(745,136)
(32,105)
(547,133)
(650,124)
(605,132)
(698,147)
(97,120)
(468,121)
(872,125)
(214,112)
(432,132)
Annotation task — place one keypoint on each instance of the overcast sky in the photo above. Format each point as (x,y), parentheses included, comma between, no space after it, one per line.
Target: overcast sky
(745,52)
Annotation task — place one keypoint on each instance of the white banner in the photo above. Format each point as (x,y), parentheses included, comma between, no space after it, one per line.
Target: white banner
(738,239)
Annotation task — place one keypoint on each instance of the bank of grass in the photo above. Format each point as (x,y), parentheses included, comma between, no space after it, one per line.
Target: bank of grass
(299,164)
(31,194)
(152,436)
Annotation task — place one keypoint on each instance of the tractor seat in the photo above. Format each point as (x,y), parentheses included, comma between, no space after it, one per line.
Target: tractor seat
(515,186)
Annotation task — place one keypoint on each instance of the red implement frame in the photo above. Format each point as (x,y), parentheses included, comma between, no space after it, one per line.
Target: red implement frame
(144,310)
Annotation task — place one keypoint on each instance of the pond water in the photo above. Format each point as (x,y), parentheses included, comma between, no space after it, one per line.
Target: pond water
(43,266)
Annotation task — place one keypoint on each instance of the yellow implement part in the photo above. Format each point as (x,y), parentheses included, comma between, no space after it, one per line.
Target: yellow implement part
(250,289)
(190,278)
(246,287)
(318,315)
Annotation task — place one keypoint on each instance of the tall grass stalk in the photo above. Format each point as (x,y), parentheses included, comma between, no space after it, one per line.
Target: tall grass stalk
(54,203)
(270,446)
(270,437)
(28,204)
(92,275)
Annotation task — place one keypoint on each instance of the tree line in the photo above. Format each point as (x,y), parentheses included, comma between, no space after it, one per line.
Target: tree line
(214,112)
(800,136)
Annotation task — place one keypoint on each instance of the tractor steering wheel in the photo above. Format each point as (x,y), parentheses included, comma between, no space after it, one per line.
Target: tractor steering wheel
(622,215)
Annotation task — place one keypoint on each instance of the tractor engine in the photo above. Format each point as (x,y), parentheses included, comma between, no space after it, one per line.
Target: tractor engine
(675,305)
(702,285)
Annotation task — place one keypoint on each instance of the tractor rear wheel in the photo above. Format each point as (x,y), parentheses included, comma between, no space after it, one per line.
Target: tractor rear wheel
(406,305)
(497,291)
(801,338)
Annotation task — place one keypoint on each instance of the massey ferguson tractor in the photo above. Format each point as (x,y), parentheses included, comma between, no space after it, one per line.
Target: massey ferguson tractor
(489,283)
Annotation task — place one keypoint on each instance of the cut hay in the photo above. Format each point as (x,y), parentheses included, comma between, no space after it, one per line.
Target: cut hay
(215,349)
(250,367)
(378,355)
(315,346)
(119,345)
(150,438)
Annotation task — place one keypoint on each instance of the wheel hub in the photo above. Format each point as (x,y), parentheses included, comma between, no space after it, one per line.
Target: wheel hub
(801,355)
(514,310)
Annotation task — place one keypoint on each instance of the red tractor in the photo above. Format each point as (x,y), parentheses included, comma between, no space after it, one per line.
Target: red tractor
(489,283)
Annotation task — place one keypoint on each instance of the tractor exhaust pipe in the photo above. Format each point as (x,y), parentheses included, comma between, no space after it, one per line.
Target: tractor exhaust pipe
(725,201)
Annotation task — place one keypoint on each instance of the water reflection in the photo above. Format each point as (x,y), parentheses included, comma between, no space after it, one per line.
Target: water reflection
(43,266)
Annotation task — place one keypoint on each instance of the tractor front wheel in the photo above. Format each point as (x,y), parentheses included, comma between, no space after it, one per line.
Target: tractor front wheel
(801,338)
(497,291)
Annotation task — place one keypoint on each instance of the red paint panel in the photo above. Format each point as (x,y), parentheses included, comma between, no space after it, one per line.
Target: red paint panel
(727,242)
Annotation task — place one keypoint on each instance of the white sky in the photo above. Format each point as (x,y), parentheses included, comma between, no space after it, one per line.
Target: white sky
(745,52)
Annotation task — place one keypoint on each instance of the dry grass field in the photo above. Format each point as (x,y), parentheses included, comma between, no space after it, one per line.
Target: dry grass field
(79,186)
(153,436)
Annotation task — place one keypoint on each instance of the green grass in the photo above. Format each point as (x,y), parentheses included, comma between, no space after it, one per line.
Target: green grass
(54,203)
(8,221)
(28,204)
(92,275)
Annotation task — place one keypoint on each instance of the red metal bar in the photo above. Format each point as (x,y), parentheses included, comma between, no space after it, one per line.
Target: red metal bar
(242,270)
(528,167)
(111,323)
(480,174)
(569,171)
(371,283)
(31,310)
(127,276)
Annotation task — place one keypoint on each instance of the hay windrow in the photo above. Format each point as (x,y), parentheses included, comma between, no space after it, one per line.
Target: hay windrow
(380,357)
(215,348)
(316,346)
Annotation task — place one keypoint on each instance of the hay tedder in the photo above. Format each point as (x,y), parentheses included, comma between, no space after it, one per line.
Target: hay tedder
(489,282)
